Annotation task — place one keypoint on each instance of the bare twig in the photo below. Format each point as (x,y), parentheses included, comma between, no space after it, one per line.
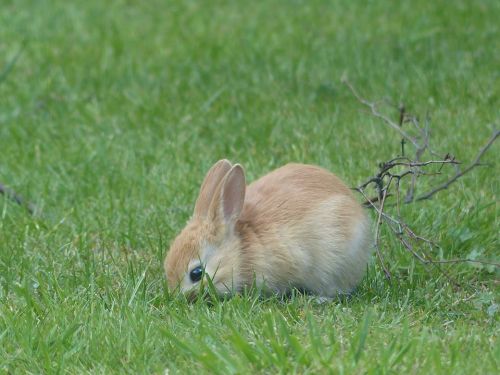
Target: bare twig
(387,182)
(459,173)
(373,108)
(386,167)
(12,195)
(377,235)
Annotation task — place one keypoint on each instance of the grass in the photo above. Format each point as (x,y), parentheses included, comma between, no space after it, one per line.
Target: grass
(111,112)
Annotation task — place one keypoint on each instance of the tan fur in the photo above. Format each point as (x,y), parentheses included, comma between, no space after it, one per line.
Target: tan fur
(300,226)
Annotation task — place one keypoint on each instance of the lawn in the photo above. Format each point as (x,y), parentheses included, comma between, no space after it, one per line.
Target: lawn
(112,111)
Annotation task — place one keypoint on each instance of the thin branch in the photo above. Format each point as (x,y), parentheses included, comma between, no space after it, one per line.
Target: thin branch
(372,204)
(377,235)
(376,113)
(396,170)
(387,166)
(12,195)
(409,247)
(459,173)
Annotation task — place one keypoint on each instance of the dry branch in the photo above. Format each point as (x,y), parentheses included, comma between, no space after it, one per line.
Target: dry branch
(458,173)
(12,195)
(387,183)
(376,113)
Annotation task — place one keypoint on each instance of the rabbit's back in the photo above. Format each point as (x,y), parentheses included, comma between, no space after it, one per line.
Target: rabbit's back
(302,227)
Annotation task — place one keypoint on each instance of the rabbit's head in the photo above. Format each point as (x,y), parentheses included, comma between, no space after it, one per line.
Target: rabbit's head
(209,245)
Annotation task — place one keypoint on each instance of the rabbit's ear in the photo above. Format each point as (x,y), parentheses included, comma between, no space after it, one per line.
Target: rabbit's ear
(228,199)
(233,193)
(209,186)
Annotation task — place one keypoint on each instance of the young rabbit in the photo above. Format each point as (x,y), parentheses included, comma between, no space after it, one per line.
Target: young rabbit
(297,227)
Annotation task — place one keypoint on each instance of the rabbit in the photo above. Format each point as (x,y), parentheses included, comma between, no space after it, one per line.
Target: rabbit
(297,227)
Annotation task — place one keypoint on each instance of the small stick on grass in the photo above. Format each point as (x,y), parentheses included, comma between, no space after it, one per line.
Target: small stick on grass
(12,195)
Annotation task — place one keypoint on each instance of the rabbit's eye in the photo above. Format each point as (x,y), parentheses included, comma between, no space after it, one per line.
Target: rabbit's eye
(196,274)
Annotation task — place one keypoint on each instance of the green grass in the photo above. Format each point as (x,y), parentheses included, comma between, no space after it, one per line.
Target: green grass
(112,111)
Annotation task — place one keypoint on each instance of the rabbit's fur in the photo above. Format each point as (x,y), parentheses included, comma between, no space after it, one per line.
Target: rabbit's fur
(297,227)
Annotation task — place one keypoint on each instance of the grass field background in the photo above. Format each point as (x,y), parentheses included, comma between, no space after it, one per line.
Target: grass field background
(112,111)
